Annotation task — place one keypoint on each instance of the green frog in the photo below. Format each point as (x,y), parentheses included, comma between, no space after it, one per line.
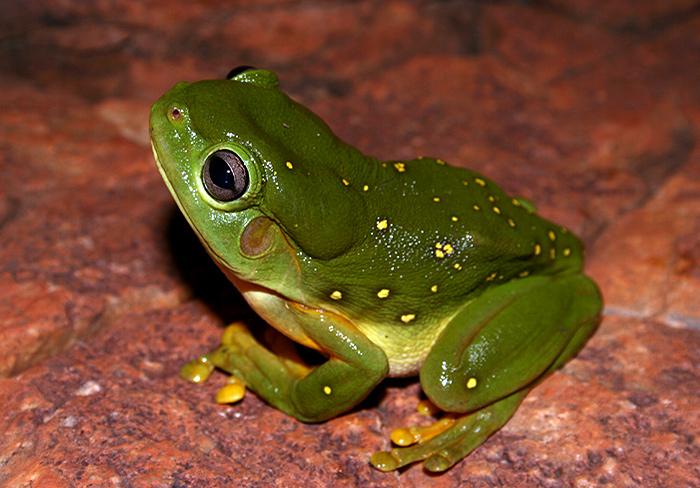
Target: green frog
(386,268)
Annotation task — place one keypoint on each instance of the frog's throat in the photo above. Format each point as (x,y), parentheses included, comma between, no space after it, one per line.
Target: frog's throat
(280,312)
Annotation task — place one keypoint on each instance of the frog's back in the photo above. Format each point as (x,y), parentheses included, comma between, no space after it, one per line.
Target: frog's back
(435,237)
(431,226)
(467,223)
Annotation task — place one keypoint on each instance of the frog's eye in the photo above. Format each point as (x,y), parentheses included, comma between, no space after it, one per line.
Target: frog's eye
(237,71)
(259,77)
(225,176)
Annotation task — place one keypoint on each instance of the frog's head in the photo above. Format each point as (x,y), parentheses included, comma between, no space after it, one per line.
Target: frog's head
(256,174)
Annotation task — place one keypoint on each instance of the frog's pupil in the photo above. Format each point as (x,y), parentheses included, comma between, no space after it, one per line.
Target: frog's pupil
(221,174)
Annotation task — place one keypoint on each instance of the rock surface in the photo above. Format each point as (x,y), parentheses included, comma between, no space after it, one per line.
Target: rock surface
(592,113)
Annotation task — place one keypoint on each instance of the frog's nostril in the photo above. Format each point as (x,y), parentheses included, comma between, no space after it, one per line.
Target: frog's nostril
(174,113)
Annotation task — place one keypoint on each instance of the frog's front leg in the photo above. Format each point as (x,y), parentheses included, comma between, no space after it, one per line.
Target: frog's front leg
(354,367)
(491,354)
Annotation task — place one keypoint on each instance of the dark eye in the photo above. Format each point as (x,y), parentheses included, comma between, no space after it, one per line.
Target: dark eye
(237,71)
(225,176)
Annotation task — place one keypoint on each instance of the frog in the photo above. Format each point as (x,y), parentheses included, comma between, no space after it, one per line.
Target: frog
(385,268)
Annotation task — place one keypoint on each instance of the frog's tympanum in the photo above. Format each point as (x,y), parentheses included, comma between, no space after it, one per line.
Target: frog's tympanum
(387,268)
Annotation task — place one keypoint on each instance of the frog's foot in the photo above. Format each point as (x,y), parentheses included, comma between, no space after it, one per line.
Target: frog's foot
(448,440)
(276,373)
(237,355)
(232,392)
(198,371)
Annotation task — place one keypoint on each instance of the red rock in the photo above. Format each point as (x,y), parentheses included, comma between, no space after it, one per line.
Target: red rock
(628,14)
(656,254)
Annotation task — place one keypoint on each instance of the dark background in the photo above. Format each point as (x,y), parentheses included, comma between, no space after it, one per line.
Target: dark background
(589,109)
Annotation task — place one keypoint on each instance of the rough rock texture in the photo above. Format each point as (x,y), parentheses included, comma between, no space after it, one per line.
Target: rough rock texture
(591,112)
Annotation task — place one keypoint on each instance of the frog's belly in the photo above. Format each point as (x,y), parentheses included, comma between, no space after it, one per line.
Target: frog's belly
(405,346)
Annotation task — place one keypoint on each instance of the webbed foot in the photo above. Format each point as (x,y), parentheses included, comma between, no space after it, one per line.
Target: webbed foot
(198,371)
(274,371)
(449,439)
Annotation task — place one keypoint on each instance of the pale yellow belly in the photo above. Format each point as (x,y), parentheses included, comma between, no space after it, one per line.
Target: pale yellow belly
(405,346)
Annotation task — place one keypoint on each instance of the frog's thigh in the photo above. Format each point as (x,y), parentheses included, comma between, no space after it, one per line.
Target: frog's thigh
(354,368)
(507,338)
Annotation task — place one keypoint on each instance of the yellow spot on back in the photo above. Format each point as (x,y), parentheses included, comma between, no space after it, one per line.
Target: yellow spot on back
(383,293)
(382,224)
(448,249)
(523,274)
(457,266)
(454,218)
(511,222)
(492,198)
(439,253)
(552,236)
(327,390)
(465,182)
(492,276)
(336,295)
(537,249)
(552,253)
(436,199)
(479,181)
(438,245)
(497,210)
(567,252)
(407,318)
(440,162)
(476,207)
(365,188)
(289,165)
(471,383)
(516,202)
(434,288)
(346,182)
(400,167)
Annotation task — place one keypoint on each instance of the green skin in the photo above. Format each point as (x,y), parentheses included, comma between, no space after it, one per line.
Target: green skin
(387,268)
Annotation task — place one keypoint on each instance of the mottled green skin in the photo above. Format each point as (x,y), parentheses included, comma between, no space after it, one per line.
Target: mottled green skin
(409,266)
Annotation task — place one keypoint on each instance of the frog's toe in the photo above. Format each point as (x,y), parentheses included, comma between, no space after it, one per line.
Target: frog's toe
(197,370)
(232,392)
(407,436)
(426,443)
(233,333)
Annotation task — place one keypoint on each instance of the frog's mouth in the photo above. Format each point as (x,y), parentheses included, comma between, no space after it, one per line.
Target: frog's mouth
(217,258)
(164,175)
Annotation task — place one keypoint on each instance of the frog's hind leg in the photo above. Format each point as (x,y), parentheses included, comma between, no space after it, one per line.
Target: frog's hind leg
(491,354)
(455,440)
